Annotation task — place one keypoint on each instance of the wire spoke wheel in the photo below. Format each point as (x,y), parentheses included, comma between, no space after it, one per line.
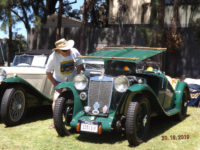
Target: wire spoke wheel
(141,121)
(13,106)
(137,120)
(17,106)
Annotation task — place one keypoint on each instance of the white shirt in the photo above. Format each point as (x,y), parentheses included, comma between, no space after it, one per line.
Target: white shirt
(63,68)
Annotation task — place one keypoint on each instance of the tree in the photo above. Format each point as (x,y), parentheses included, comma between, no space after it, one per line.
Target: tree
(28,11)
(98,14)
(86,5)
(8,21)
(50,6)
(19,43)
(59,24)
(154,36)
(173,35)
(35,12)
(94,12)
(64,8)
(161,14)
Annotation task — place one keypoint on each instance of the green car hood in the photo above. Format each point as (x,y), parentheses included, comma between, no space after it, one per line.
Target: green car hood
(130,54)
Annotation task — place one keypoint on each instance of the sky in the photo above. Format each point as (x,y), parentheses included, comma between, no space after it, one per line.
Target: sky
(20,29)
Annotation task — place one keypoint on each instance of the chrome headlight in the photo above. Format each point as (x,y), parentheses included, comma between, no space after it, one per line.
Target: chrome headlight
(121,84)
(80,82)
(2,74)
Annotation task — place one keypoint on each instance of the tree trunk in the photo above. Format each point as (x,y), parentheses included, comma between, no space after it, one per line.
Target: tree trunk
(59,23)
(174,39)
(10,36)
(50,6)
(83,24)
(161,14)
(175,22)
(35,39)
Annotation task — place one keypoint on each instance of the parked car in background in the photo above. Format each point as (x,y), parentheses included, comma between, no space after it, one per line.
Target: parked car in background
(123,88)
(24,85)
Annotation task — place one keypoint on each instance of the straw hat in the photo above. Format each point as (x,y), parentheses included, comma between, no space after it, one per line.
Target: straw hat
(62,44)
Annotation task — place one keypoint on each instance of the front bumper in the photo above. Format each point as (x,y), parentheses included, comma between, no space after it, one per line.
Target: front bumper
(106,122)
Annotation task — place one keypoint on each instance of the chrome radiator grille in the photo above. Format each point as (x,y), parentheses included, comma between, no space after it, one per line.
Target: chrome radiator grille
(100,91)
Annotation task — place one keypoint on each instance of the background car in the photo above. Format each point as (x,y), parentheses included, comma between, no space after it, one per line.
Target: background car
(122,95)
(24,85)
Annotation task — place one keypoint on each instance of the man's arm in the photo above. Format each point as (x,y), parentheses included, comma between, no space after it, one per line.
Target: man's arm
(50,77)
(53,81)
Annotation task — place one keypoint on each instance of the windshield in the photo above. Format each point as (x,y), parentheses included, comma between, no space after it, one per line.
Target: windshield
(93,66)
(115,67)
(30,60)
(155,62)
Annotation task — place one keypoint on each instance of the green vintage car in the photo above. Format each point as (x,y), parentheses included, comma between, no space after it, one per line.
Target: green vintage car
(24,85)
(120,89)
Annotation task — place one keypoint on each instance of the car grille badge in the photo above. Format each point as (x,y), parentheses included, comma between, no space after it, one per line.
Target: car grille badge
(105,109)
(96,106)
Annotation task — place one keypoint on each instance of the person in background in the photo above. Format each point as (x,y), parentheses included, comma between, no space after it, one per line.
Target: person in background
(63,64)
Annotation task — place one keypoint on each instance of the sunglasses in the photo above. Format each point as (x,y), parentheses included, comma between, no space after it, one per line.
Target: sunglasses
(64,51)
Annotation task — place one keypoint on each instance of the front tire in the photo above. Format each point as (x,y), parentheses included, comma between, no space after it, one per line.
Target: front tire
(62,115)
(13,106)
(137,120)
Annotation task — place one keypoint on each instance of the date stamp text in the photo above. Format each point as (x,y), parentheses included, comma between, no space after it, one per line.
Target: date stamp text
(175,137)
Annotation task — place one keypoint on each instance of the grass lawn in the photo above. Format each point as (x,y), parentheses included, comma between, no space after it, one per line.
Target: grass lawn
(35,135)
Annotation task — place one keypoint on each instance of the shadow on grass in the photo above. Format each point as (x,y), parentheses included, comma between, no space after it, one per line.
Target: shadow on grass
(107,137)
(38,113)
(158,126)
(35,114)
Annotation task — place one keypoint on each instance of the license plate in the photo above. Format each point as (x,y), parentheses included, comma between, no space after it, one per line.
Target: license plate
(89,127)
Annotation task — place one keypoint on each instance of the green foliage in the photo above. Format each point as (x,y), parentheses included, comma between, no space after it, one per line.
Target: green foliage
(19,43)
(68,11)
(38,23)
(4,14)
(75,13)
(99,15)
(97,12)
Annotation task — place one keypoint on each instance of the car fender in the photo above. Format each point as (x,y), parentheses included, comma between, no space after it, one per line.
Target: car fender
(13,81)
(77,102)
(2,89)
(16,80)
(180,87)
(141,90)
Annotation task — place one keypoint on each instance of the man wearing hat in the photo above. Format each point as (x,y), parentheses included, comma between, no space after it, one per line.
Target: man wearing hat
(62,64)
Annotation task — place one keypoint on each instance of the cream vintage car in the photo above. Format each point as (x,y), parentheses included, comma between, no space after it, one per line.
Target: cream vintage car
(24,85)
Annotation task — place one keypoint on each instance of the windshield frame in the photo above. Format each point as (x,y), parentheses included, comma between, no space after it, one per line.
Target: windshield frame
(27,60)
